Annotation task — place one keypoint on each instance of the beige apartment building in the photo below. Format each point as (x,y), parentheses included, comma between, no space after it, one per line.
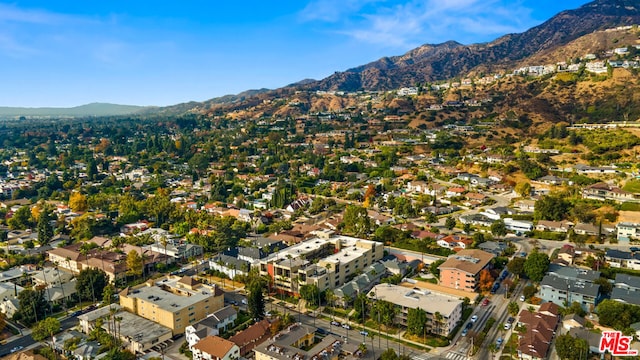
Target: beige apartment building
(173,302)
(326,261)
(448,307)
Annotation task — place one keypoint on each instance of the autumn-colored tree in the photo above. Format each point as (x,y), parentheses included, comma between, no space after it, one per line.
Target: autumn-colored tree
(369,195)
(103,145)
(486,280)
(78,202)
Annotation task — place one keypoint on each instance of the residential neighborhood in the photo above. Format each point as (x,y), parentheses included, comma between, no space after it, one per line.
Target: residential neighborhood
(313,233)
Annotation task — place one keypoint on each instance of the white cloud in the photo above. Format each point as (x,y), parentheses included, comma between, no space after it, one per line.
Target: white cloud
(414,22)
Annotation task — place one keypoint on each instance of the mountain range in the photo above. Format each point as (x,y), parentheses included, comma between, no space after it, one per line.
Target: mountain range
(429,62)
(568,34)
(93,109)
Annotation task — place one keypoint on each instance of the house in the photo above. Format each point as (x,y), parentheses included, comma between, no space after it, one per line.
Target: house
(552,180)
(567,253)
(215,348)
(525,205)
(572,321)
(497,212)
(455,191)
(462,270)
(229,265)
(591,337)
(455,241)
(623,259)
(449,307)
(494,247)
(252,336)
(554,226)
(586,229)
(518,225)
(213,324)
(603,191)
(627,231)
(540,329)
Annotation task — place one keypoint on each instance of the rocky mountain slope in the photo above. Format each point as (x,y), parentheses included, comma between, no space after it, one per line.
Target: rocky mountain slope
(450,59)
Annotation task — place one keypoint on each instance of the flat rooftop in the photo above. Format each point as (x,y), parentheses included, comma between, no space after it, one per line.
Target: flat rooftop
(279,346)
(429,301)
(167,300)
(138,329)
(298,250)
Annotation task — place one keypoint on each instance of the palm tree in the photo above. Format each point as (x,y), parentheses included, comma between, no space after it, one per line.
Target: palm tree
(233,268)
(437,317)
(164,242)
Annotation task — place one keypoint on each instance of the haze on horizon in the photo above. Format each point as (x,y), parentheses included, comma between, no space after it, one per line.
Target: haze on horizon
(162,53)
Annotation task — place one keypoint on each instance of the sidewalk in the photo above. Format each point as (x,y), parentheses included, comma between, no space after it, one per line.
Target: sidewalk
(394,337)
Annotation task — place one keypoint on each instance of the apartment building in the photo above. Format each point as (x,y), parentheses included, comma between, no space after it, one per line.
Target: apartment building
(173,302)
(462,270)
(326,261)
(449,307)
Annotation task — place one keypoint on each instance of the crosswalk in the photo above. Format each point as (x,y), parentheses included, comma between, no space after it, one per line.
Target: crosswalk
(455,356)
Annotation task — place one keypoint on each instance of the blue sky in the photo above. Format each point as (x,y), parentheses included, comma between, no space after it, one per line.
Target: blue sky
(68,53)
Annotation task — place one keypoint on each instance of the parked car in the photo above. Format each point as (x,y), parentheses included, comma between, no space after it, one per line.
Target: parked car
(485,302)
(507,326)
(474,318)
(16,348)
(364,332)
(511,319)
(464,332)
(522,298)
(469,325)
(499,342)
(346,326)
(335,323)
(322,331)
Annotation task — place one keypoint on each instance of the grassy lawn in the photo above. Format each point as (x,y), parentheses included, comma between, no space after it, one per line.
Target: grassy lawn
(632,185)
(337,311)
(511,346)
(630,206)
(430,340)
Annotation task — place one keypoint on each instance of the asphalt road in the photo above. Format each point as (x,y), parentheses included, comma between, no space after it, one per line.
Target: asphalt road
(27,340)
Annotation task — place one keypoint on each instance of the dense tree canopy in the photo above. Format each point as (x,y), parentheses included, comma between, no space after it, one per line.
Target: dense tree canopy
(551,207)
(536,266)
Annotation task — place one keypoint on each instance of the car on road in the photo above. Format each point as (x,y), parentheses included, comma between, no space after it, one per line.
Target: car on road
(335,323)
(634,249)
(346,326)
(474,318)
(322,331)
(464,332)
(507,326)
(364,332)
(469,325)
(17,348)
(485,302)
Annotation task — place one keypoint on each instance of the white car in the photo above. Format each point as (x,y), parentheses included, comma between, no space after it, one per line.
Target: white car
(522,298)
(474,318)
(507,326)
